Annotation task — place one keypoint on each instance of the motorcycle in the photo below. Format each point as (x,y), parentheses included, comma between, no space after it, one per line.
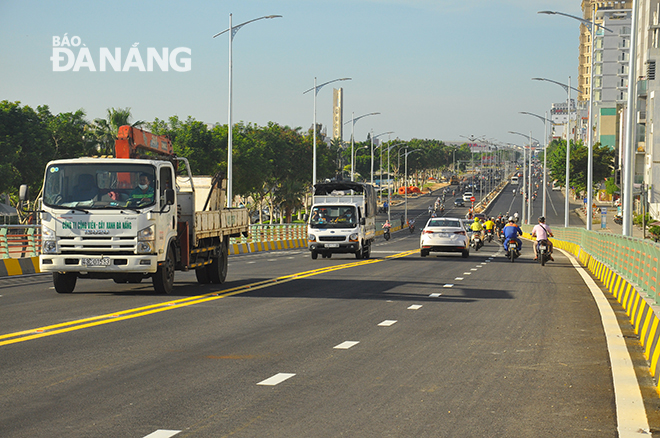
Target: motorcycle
(512,250)
(618,219)
(411,226)
(475,241)
(386,234)
(542,252)
(489,235)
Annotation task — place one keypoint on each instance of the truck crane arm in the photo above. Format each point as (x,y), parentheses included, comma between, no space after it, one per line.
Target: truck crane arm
(130,140)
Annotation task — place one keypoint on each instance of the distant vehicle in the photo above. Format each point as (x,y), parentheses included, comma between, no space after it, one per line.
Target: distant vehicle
(454,180)
(467,196)
(514,180)
(458,202)
(444,235)
(556,186)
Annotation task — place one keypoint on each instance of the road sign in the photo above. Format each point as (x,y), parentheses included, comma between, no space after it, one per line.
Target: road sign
(472,199)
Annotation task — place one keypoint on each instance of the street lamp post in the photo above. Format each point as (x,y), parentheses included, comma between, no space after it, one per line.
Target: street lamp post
(545,153)
(381,154)
(525,185)
(629,154)
(352,121)
(232,31)
(389,189)
(568,89)
(590,160)
(316,89)
(405,191)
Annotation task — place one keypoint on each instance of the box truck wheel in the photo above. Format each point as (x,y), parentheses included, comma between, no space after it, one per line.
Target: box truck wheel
(218,268)
(202,275)
(366,251)
(163,279)
(64,282)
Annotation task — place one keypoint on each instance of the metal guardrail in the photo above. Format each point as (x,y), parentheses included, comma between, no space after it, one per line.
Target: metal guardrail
(18,241)
(636,260)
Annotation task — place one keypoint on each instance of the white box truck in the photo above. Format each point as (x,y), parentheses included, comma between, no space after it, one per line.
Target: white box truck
(342,220)
(128,218)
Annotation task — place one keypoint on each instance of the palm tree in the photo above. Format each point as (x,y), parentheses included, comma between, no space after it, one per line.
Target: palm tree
(105,130)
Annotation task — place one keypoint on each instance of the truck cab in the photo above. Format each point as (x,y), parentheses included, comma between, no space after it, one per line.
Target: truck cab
(342,220)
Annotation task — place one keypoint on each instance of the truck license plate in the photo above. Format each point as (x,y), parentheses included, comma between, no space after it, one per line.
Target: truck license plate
(332,245)
(103,261)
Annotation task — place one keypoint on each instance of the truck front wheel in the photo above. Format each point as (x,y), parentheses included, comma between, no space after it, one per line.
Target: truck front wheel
(163,279)
(218,268)
(64,282)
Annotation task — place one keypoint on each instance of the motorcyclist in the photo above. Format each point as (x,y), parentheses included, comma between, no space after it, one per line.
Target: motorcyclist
(477,227)
(542,232)
(489,225)
(387,225)
(511,232)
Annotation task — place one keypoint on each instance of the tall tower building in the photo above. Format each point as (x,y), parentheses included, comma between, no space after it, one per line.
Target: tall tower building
(611,53)
(337,113)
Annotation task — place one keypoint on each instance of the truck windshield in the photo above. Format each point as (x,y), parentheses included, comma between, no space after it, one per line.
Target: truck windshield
(99,186)
(333,216)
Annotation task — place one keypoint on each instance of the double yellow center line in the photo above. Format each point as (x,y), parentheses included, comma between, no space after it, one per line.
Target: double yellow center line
(55,329)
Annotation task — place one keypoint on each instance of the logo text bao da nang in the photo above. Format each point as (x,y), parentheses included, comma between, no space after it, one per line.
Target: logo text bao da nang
(70,54)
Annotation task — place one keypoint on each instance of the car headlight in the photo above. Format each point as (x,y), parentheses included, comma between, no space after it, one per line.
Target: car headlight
(48,242)
(47,234)
(353,237)
(144,247)
(146,238)
(311,238)
(147,234)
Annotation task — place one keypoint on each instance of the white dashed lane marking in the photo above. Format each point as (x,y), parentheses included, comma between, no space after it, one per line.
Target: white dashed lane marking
(415,307)
(276,379)
(163,433)
(387,323)
(346,345)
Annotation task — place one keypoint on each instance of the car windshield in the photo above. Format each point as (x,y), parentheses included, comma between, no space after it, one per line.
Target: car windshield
(99,186)
(333,216)
(447,223)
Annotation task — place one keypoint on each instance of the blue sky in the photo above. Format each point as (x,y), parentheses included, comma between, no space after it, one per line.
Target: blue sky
(434,69)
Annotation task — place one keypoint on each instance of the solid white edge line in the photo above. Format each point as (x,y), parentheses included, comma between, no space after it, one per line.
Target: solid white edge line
(630,410)
(162,433)
(276,379)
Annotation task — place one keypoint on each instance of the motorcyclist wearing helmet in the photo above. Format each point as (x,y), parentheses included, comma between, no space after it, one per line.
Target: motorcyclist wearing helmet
(542,232)
(489,225)
(511,232)
(477,227)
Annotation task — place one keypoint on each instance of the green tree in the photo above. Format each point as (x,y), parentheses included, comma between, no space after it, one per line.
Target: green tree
(603,161)
(104,131)
(24,147)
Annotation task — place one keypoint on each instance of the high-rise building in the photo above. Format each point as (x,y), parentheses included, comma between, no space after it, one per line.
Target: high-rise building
(610,65)
(338,113)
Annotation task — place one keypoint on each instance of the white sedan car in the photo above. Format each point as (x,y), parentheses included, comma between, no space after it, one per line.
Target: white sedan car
(443,234)
(467,196)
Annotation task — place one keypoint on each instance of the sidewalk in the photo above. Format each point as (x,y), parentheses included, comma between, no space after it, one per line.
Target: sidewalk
(610,226)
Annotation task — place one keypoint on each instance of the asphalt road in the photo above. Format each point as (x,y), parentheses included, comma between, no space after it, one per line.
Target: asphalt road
(395,346)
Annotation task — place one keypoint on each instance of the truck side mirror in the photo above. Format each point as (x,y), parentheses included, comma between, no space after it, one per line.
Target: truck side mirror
(23,193)
(169,197)
(363,221)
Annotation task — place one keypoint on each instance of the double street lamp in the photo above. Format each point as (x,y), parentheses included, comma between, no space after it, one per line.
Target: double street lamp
(352,122)
(316,89)
(545,153)
(232,31)
(590,164)
(568,89)
(527,181)
(389,186)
